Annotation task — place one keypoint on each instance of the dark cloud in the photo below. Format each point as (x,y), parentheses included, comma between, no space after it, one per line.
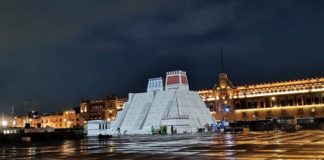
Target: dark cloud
(57,52)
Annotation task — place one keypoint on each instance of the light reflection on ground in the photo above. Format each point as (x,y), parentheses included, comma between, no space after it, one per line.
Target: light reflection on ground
(261,145)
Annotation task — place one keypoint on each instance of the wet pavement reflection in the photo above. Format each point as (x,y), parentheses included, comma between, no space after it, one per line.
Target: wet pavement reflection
(258,145)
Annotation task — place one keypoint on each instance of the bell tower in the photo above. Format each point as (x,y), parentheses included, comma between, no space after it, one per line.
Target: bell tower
(223,91)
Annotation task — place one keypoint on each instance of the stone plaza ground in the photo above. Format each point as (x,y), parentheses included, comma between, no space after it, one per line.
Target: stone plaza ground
(251,146)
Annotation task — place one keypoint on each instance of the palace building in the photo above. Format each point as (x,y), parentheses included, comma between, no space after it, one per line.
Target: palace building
(295,99)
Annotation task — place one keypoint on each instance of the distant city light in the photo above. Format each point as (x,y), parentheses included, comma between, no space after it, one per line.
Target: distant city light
(4,123)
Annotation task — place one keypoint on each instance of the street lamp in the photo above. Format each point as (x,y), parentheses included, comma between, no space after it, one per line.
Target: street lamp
(226,110)
(273,98)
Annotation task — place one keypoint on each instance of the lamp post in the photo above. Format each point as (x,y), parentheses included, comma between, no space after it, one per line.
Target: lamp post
(273,100)
(226,110)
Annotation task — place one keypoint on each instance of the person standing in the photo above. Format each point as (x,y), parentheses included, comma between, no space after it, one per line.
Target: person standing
(118,131)
(152,130)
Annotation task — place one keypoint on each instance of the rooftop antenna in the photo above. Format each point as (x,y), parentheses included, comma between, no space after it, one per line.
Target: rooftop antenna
(222,59)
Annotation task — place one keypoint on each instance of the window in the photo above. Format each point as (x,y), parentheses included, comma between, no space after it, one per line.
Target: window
(299,101)
(273,104)
(262,104)
(291,102)
(99,126)
(237,106)
(316,100)
(282,103)
(249,105)
(255,104)
(211,107)
(308,101)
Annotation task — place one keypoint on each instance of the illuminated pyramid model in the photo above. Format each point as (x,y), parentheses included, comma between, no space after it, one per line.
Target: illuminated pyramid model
(173,106)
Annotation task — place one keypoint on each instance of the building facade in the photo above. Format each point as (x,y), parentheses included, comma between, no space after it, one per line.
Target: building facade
(105,109)
(298,99)
(68,119)
(32,119)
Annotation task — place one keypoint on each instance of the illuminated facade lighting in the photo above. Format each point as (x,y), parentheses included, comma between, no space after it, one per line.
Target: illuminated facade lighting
(289,98)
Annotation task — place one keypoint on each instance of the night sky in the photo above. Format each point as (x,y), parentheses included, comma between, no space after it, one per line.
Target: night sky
(53,53)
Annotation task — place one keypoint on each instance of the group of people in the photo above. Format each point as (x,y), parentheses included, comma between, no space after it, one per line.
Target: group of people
(163,130)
